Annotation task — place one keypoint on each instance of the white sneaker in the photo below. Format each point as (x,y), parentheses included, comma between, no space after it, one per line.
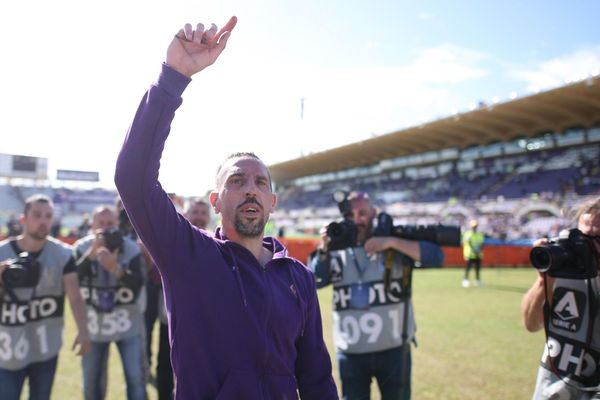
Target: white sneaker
(465,283)
(478,283)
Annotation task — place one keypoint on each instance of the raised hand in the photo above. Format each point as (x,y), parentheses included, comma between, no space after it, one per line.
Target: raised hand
(193,50)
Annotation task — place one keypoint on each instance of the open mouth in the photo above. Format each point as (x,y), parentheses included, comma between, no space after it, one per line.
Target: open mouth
(250,207)
(250,210)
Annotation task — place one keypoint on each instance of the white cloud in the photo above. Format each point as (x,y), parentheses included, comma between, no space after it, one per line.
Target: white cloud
(556,71)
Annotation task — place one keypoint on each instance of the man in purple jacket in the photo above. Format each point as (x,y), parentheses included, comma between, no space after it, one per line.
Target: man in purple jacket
(244,318)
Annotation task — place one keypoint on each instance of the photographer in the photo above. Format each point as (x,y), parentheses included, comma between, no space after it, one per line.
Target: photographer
(568,309)
(35,273)
(372,333)
(111,278)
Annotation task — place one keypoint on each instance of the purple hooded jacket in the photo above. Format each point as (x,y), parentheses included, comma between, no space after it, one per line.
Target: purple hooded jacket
(237,330)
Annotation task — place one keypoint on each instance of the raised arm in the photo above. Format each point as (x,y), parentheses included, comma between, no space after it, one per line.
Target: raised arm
(427,253)
(152,213)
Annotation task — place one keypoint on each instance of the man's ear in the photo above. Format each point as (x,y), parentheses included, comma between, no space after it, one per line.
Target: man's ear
(273,203)
(213,198)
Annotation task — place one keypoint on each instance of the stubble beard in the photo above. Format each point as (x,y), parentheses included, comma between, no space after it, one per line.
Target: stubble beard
(39,235)
(249,229)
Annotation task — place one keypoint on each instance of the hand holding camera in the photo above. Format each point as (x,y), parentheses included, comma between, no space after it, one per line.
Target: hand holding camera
(571,256)
(105,249)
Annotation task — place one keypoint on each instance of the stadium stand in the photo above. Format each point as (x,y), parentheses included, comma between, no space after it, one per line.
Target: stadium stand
(539,153)
(511,165)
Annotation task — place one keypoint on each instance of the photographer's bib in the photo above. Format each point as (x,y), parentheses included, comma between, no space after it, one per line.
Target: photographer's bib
(31,327)
(567,354)
(114,311)
(366,317)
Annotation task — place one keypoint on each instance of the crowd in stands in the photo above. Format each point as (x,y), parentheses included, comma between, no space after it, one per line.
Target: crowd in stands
(514,196)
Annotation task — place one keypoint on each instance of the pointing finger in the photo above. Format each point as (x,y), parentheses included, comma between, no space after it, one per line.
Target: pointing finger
(227,28)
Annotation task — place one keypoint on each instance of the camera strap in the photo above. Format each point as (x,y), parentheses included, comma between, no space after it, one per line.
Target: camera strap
(589,334)
(388,264)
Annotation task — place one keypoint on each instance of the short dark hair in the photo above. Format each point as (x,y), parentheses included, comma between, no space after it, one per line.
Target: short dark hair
(242,154)
(37,198)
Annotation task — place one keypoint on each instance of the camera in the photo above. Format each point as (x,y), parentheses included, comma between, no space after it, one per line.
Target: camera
(113,239)
(23,271)
(342,234)
(571,256)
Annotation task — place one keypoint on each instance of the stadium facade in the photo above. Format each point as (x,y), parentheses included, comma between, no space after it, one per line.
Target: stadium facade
(518,163)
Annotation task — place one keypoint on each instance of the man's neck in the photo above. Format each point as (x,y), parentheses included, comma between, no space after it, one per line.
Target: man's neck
(30,244)
(253,244)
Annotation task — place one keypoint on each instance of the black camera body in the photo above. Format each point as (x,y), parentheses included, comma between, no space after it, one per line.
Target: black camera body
(342,235)
(113,239)
(22,272)
(571,256)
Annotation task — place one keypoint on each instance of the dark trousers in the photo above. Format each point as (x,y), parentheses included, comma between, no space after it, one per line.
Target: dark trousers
(164,371)
(357,370)
(41,377)
(473,262)
(151,314)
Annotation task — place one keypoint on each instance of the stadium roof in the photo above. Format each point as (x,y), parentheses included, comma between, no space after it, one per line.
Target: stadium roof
(576,105)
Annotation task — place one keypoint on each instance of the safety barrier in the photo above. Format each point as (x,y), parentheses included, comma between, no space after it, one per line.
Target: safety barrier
(493,256)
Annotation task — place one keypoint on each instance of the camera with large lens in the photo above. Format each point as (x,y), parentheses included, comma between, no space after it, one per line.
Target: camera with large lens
(442,235)
(21,272)
(571,256)
(113,239)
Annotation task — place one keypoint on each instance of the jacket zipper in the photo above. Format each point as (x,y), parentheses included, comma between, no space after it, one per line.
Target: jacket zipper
(269,299)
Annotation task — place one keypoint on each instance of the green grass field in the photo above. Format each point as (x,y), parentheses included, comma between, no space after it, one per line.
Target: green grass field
(471,343)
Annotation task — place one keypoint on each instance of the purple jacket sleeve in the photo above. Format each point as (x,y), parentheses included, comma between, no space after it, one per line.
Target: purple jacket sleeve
(151,211)
(313,366)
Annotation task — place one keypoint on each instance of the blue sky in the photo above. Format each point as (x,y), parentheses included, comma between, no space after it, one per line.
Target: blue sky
(73,73)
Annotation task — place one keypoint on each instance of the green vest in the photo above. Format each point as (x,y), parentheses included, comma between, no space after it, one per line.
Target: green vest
(473,245)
